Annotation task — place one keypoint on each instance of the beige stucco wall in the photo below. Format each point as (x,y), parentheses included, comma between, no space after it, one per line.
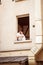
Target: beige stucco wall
(8,27)
(9,10)
(38,21)
(8,22)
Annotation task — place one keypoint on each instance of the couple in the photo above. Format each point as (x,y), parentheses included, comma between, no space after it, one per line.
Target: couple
(20,36)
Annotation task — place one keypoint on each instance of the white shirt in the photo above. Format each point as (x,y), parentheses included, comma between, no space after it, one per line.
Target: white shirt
(20,37)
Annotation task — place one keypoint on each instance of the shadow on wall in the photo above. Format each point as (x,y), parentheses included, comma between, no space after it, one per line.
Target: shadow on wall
(39,57)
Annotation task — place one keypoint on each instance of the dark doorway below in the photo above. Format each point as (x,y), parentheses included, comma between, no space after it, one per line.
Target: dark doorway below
(39,62)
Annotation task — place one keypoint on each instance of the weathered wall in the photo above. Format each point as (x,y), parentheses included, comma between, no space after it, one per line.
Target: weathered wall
(8,26)
(8,22)
(9,10)
(38,21)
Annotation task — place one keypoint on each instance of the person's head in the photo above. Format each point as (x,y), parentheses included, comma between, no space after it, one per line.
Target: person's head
(20,32)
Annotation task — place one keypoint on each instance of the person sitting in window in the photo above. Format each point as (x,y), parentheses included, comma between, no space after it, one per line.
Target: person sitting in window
(20,36)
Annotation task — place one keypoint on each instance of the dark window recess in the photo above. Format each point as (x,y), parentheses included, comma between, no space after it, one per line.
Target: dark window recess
(0,2)
(17,60)
(12,0)
(18,0)
(23,24)
(39,62)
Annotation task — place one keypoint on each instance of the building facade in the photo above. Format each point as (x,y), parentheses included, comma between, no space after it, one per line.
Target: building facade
(12,13)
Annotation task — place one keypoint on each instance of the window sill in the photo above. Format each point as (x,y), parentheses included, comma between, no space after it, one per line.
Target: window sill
(25,41)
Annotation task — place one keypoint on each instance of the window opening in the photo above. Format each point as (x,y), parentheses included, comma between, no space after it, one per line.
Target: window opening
(23,25)
(0,2)
(18,0)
